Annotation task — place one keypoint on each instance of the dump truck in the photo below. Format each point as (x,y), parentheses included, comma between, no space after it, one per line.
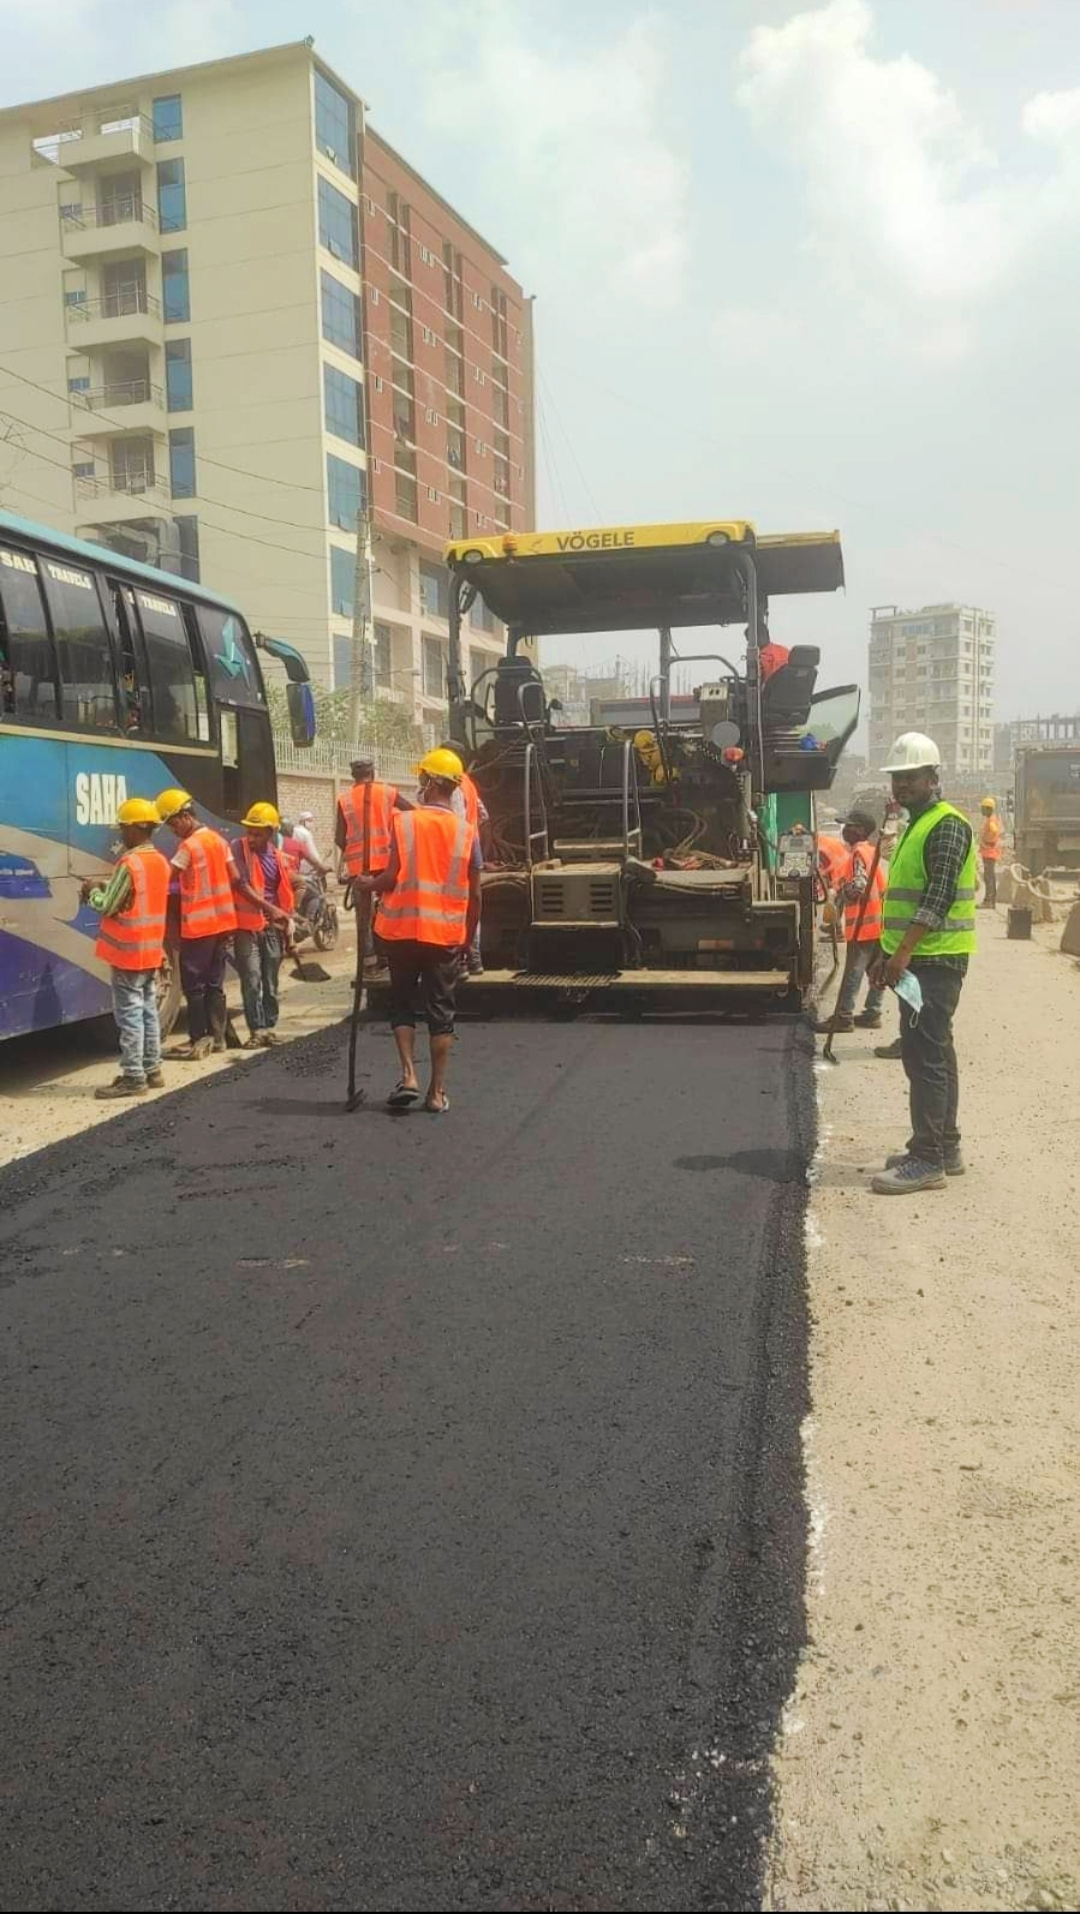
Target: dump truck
(664,863)
(1046,818)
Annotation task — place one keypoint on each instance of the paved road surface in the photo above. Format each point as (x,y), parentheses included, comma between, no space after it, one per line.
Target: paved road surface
(407,1510)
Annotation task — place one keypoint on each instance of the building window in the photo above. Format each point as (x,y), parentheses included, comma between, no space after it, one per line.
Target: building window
(498,322)
(168,118)
(479,662)
(178,374)
(172,196)
(434,667)
(182,462)
(337,224)
(399,220)
(181,554)
(405,496)
(175,298)
(82,384)
(334,125)
(342,581)
(344,405)
(83,469)
(341,315)
(383,668)
(346,491)
(76,296)
(481,616)
(434,590)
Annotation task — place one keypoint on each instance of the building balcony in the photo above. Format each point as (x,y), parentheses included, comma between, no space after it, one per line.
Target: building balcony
(127,314)
(123,225)
(108,143)
(140,404)
(139,493)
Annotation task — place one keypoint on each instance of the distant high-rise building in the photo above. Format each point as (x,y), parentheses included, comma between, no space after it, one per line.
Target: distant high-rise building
(232,319)
(932,670)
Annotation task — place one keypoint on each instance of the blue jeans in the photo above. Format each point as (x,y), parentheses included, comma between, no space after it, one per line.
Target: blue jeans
(860,956)
(258,960)
(135,1008)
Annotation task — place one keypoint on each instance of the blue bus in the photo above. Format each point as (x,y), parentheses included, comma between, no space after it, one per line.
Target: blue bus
(116,680)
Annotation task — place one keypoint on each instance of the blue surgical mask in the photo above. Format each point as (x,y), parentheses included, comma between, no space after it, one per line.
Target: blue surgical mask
(910,989)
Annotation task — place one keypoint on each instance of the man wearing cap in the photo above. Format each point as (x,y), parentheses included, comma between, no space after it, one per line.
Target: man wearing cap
(131,940)
(858,831)
(927,937)
(989,851)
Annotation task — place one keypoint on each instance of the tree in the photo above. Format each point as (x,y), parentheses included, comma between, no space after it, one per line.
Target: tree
(383,722)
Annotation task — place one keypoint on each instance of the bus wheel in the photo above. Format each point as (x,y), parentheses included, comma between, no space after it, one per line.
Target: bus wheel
(169,994)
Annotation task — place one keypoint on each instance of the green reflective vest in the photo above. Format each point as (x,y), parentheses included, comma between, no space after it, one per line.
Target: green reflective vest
(907,883)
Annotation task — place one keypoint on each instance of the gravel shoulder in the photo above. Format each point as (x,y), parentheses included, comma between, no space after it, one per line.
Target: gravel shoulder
(47,1080)
(932,1746)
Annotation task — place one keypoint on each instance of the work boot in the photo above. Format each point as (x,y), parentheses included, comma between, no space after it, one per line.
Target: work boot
(155,1080)
(954,1162)
(120,1087)
(894,1050)
(841,1026)
(868,1020)
(910,1176)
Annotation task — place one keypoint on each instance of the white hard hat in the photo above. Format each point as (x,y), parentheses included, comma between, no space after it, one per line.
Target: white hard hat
(914,751)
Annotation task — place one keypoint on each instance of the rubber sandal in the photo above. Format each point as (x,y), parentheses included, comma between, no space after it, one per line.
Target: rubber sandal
(401,1096)
(442,1108)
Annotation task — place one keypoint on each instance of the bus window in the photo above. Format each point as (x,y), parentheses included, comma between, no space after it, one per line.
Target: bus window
(234,672)
(27,670)
(87,670)
(202,696)
(134,697)
(172,675)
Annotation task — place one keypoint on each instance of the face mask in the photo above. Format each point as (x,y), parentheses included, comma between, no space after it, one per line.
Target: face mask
(910,989)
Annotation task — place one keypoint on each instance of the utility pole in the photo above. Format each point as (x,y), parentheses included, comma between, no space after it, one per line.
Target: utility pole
(361,676)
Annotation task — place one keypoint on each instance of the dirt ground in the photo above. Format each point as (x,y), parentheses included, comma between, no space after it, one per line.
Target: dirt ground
(48,1080)
(931,1757)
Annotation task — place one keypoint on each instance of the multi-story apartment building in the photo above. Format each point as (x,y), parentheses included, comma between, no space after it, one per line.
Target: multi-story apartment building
(932,670)
(232,320)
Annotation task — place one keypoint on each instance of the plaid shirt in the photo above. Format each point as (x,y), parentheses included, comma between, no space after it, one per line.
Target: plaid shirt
(944,853)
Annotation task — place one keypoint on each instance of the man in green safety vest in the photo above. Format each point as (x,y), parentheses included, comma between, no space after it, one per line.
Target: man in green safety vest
(927,936)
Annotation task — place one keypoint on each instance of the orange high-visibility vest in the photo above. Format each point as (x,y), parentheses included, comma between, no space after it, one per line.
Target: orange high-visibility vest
(135,938)
(247,917)
(376,801)
(870,930)
(430,900)
(990,839)
(207,906)
(472,800)
(833,857)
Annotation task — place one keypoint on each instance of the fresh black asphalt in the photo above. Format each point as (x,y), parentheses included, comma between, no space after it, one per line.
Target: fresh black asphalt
(406,1512)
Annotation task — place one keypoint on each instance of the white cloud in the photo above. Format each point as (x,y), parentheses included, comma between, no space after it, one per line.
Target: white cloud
(903,195)
(748,334)
(579,131)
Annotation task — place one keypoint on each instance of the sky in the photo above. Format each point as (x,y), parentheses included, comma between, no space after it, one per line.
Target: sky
(817,266)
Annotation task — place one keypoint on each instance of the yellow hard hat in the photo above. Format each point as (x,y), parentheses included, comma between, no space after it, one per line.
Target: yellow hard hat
(262,817)
(442,763)
(171,802)
(138,811)
(988,804)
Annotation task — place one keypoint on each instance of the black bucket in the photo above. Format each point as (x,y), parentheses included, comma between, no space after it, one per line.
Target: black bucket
(1019,927)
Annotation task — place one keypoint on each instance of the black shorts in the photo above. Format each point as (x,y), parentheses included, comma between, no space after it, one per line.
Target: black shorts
(424,977)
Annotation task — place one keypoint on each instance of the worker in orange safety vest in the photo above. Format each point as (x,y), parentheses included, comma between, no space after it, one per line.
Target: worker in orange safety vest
(362,835)
(258,944)
(208,879)
(429,907)
(850,877)
(131,940)
(989,851)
